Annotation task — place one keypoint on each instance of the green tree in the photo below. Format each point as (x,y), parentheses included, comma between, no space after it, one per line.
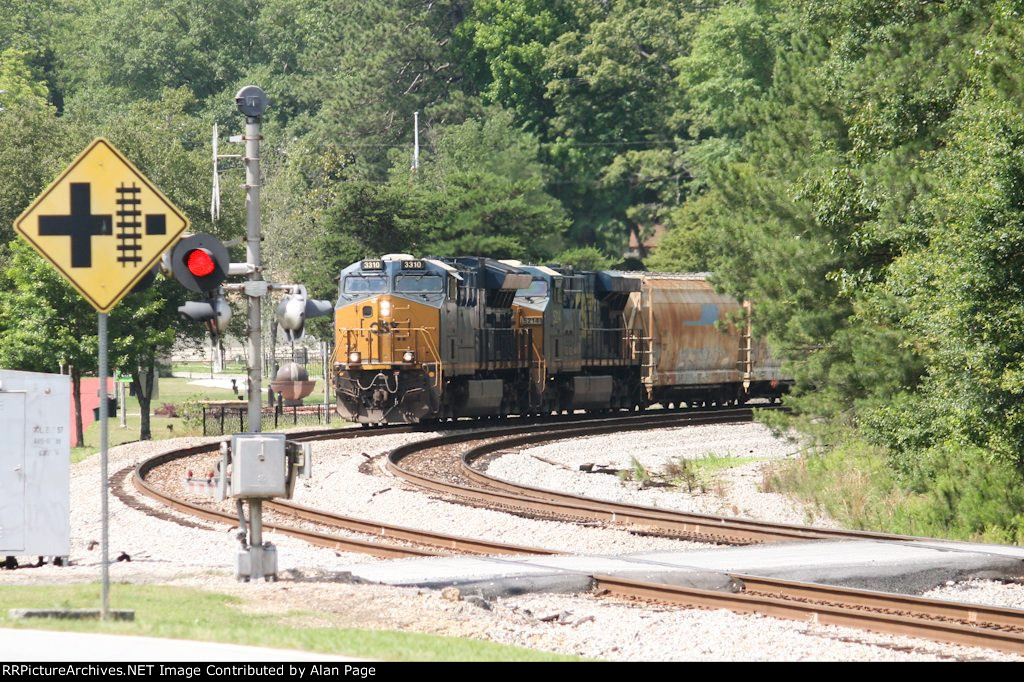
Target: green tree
(480,191)
(505,44)
(963,290)
(486,175)
(584,258)
(610,138)
(377,63)
(121,51)
(44,323)
(32,139)
(368,220)
(729,65)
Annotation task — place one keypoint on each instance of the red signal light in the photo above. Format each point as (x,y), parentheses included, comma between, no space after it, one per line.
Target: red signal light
(200,263)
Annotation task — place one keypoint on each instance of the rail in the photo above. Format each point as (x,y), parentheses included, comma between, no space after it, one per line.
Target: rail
(971,624)
(894,614)
(427,543)
(531,500)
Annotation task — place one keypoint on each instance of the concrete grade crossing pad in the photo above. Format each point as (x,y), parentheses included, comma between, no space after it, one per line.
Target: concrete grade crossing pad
(898,566)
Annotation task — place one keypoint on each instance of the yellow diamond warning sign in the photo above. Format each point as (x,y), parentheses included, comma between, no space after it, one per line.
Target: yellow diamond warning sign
(102,224)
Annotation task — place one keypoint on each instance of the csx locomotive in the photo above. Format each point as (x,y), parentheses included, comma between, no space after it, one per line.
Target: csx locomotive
(421,339)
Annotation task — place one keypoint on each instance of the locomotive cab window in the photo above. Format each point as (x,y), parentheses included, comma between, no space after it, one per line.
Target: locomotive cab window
(538,287)
(354,284)
(419,284)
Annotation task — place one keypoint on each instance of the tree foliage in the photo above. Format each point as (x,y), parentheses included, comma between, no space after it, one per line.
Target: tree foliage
(852,166)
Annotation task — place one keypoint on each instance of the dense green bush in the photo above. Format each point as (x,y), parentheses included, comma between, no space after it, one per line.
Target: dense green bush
(961,493)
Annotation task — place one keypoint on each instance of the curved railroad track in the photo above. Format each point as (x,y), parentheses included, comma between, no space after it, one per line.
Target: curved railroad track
(416,542)
(460,480)
(967,624)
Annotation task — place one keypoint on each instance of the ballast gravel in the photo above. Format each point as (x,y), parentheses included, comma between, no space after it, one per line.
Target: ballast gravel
(735,490)
(342,485)
(201,554)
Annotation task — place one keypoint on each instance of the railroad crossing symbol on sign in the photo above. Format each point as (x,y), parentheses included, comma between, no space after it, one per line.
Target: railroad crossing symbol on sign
(102,224)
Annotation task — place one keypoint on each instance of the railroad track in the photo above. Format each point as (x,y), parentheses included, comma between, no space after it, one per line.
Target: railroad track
(416,542)
(392,540)
(968,624)
(894,614)
(471,484)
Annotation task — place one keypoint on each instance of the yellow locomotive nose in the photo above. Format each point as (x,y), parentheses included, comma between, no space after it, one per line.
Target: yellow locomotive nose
(384,332)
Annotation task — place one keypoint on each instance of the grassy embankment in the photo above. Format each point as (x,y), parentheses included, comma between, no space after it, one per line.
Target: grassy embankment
(958,493)
(184,613)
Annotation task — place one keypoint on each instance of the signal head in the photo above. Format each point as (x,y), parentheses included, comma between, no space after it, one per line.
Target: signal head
(200,262)
(252,101)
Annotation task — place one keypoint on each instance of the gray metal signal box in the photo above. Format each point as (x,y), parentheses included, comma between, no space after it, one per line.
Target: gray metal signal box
(259,465)
(35,464)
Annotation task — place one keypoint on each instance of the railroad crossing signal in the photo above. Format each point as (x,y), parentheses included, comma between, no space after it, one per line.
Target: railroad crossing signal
(102,224)
(200,262)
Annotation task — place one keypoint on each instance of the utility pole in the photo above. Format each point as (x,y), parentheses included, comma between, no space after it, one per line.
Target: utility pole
(416,141)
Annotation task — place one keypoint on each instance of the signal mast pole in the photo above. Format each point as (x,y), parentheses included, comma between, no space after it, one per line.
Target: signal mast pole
(252,102)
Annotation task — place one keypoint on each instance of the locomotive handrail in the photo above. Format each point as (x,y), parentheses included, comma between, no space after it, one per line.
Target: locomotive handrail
(542,368)
(439,372)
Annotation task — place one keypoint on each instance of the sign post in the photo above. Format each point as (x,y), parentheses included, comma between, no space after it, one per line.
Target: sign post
(104,480)
(103,225)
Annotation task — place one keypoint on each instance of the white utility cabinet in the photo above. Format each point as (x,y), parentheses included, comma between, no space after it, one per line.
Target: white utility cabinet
(35,464)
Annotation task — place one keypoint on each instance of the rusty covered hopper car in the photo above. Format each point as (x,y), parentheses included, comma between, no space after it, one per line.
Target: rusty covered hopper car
(695,344)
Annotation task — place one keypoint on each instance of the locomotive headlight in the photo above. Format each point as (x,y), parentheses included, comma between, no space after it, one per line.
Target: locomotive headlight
(385,308)
(408,356)
(354,357)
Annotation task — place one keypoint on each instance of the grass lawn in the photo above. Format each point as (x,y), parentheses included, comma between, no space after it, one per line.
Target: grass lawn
(204,368)
(185,613)
(173,391)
